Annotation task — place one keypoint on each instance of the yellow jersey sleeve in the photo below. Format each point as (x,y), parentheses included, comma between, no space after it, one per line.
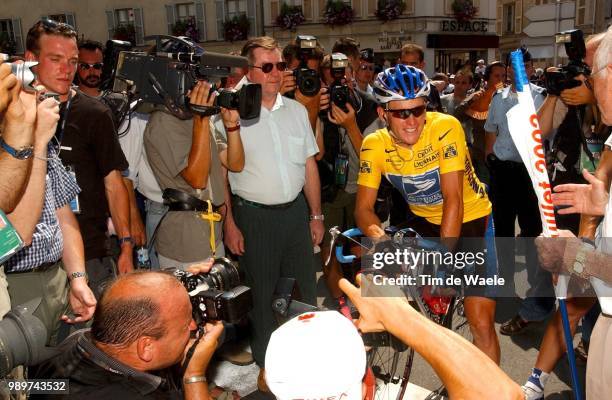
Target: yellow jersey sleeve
(371,160)
(451,144)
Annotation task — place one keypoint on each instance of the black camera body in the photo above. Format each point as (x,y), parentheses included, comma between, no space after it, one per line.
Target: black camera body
(558,81)
(217,295)
(307,80)
(339,93)
(164,78)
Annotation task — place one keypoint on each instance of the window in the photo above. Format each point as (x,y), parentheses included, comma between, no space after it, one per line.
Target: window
(126,24)
(124,16)
(509,18)
(10,36)
(581,12)
(236,8)
(185,12)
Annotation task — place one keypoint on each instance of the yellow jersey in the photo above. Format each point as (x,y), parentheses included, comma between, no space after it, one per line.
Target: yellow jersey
(415,172)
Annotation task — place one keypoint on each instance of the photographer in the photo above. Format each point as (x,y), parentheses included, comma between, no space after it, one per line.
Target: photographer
(351,116)
(184,157)
(587,200)
(140,333)
(364,75)
(43,217)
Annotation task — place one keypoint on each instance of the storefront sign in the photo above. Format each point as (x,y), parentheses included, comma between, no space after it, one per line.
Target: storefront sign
(392,42)
(452,25)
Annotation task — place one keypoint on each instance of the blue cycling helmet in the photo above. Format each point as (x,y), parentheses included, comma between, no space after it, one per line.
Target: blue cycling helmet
(402,82)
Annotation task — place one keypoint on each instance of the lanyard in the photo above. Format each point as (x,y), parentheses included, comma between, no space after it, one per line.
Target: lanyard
(59,133)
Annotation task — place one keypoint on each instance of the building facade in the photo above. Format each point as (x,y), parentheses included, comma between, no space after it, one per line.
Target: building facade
(533,23)
(431,24)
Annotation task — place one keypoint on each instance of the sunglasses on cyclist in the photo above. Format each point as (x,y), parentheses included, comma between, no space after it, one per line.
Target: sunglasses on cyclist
(266,68)
(407,112)
(364,67)
(86,66)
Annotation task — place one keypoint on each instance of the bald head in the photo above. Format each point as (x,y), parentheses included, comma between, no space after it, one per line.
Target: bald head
(135,305)
(599,57)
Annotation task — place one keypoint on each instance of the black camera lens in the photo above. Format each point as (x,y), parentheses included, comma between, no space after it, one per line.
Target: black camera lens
(307,81)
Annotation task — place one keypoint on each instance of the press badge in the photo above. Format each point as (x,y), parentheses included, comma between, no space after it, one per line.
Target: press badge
(10,242)
(75,205)
(341,169)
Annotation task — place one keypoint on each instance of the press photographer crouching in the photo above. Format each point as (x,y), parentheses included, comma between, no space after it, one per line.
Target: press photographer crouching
(140,345)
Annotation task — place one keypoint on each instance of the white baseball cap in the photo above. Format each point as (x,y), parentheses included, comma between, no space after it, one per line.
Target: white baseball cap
(316,355)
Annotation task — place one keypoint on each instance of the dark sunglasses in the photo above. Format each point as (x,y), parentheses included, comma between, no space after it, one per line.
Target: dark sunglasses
(407,112)
(86,66)
(266,68)
(50,24)
(364,67)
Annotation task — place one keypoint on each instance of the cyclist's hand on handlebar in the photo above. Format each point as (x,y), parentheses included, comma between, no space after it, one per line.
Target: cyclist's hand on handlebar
(378,305)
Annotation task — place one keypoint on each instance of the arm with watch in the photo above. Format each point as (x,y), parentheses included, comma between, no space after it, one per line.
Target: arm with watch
(312,191)
(580,258)
(81,298)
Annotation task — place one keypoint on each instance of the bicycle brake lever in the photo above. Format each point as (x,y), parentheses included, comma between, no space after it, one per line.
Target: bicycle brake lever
(334,232)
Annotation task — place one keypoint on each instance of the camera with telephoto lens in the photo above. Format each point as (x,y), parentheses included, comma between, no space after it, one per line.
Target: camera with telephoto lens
(217,295)
(558,81)
(306,79)
(339,93)
(22,338)
(165,77)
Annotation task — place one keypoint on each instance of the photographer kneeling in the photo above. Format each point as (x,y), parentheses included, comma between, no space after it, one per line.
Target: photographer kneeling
(143,323)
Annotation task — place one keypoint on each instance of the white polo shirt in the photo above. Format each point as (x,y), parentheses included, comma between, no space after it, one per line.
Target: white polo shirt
(276,146)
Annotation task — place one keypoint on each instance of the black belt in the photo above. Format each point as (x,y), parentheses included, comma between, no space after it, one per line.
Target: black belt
(181,201)
(267,206)
(41,268)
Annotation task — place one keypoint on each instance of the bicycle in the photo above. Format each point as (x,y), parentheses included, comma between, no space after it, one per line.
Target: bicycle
(389,360)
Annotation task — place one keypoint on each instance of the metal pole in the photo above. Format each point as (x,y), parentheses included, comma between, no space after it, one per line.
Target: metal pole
(557,26)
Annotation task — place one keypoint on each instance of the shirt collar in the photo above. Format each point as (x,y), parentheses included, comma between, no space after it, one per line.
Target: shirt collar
(143,382)
(277,103)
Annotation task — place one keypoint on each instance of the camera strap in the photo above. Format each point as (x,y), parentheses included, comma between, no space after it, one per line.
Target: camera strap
(200,334)
(211,217)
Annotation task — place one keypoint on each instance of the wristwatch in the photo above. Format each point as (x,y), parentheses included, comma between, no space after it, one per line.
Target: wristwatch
(78,274)
(581,256)
(126,239)
(317,217)
(23,153)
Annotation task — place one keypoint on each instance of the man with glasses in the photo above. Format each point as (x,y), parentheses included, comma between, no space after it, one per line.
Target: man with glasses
(365,71)
(89,73)
(89,149)
(424,156)
(276,203)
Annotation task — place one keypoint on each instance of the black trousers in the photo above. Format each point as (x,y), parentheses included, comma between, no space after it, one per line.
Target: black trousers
(277,244)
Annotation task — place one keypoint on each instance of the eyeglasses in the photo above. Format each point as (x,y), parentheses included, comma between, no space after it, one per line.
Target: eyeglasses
(266,68)
(364,67)
(86,66)
(407,112)
(51,25)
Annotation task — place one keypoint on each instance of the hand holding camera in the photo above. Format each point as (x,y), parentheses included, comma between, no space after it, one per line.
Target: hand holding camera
(580,94)
(8,86)
(288,84)
(201,97)
(47,117)
(339,117)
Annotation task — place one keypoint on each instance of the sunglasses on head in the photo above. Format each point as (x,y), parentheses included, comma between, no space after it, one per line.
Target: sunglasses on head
(407,112)
(86,66)
(267,67)
(50,24)
(364,67)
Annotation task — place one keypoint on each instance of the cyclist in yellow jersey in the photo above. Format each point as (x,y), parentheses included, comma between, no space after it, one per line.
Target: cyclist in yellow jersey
(424,155)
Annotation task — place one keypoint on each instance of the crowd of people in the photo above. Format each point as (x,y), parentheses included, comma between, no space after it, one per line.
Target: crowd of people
(265,192)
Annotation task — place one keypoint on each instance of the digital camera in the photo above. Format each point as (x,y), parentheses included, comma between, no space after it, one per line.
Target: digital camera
(339,93)
(307,80)
(558,81)
(217,295)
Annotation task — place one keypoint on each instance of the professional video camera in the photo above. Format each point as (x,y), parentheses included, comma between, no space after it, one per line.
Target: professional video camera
(306,79)
(165,76)
(22,338)
(558,81)
(217,295)
(339,92)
